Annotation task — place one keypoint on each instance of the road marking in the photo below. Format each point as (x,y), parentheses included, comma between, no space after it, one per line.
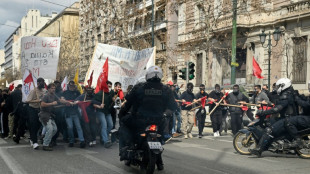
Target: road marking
(105,164)
(228,141)
(12,164)
(2,141)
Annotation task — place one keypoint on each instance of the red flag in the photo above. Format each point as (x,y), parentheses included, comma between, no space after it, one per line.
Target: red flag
(83,105)
(45,86)
(90,80)
(28,79)
(257,71)
(11,87)
(120,94)
(103,78)
(203,101)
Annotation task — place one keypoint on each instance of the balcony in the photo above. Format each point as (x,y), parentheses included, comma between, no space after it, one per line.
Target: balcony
(148,29)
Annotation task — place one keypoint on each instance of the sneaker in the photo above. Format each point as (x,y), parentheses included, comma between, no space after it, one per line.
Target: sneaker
(47,148)
(200,136)
(107,144)
(190,135)
(185,136)
(215,134)
(82,144)
(36,146)
(218,133)
(90,144)
(8,137)
(70,145)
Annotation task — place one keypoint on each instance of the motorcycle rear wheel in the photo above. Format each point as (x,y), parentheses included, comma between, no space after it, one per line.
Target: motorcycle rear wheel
(304,152)
(241,144)
(148,161)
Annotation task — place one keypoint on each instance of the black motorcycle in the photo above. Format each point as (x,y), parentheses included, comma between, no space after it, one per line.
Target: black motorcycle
(248,138)
(146,151)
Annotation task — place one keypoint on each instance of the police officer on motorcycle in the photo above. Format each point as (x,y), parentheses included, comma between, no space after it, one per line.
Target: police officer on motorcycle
(149,103)
(285,106)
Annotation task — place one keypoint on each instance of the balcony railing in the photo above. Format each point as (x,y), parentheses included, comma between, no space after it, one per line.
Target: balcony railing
(147,29)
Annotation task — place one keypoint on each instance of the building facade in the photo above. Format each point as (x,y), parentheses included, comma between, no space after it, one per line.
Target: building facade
(65,25)
(128,24)
(30,24)
(2,60)
(206,39)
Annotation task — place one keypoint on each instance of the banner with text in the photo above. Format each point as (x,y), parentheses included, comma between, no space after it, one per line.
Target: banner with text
(40,55)
(125,65)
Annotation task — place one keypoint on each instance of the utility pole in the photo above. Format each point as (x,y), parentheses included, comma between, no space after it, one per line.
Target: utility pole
(234,44)
(187,79)
(153,23)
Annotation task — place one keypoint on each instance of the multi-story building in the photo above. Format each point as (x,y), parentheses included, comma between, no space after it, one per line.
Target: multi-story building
(11,56)
(2,60)
(30,24)
(65,25)
(129,24)
(205,38)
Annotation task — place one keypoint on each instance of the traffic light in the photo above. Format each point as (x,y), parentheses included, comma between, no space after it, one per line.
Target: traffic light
(183,75)
(191,70)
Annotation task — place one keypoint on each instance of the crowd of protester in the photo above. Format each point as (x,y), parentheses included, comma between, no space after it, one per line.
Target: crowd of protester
(50,112)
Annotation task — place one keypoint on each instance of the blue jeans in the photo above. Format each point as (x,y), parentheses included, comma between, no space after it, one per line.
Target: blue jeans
(70,119)
(51,130)
(176,117)
(106,125)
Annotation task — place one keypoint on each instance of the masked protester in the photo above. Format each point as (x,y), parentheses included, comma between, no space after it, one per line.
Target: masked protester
(201,113)
(216,117)
(187,114)
(34,98)
(235,112)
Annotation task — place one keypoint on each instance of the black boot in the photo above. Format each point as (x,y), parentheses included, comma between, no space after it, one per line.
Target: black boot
(159,163)
(262,145)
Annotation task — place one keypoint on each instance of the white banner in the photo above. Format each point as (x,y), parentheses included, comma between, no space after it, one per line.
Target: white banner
(40,55)
(125,65)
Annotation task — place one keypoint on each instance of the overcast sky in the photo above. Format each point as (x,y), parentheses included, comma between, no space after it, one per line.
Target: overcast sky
(12,11)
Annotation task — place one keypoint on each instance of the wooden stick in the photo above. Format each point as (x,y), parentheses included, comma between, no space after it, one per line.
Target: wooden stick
(217,105)
(85,96)
(251,104)
(238,106)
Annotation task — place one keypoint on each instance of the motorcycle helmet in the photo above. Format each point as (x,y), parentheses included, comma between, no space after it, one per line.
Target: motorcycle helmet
(154,73)
(283,84)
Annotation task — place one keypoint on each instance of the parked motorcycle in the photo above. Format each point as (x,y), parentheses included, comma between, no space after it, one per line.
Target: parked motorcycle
(248,138)
(146,151)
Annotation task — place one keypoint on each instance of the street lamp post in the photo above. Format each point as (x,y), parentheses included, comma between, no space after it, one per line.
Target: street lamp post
(276,37)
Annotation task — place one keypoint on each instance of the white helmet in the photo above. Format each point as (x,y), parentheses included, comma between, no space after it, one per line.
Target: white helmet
(283,84)
(154,72)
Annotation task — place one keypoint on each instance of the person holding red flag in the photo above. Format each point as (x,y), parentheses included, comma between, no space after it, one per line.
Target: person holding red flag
(102,102)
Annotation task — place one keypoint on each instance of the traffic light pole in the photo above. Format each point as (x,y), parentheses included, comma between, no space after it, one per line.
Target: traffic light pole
(187,74)
(234,44)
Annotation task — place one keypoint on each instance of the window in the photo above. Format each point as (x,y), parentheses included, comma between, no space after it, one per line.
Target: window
(163,46)
(202,16)
(199,70)
(99,37)
(299,60)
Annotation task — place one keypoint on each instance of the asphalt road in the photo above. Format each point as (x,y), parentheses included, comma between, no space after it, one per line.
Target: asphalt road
(190,156)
